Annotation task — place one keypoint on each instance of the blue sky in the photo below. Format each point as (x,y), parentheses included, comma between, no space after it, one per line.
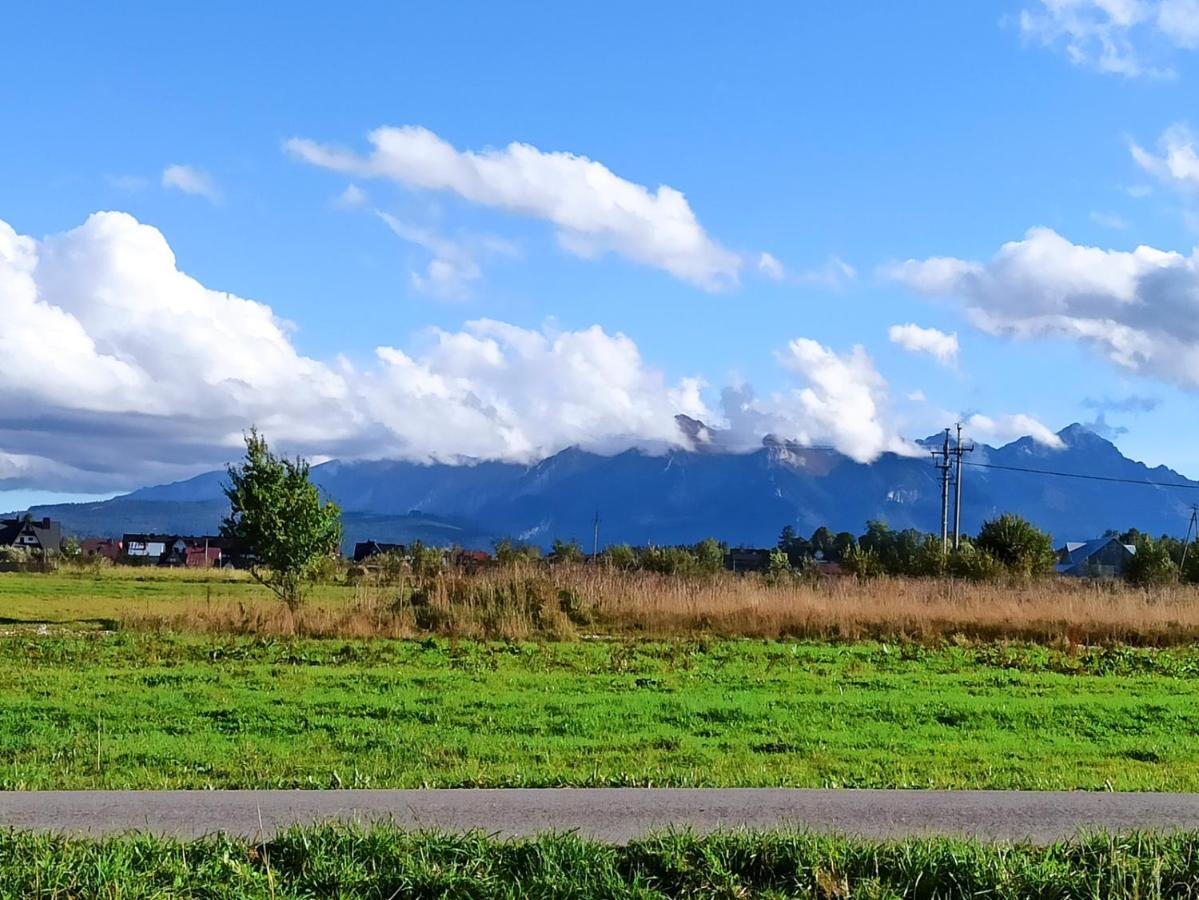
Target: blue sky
(837,138)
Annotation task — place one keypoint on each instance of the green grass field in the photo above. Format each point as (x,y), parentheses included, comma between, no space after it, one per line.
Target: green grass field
(384,863)
(139,710)
(92,598)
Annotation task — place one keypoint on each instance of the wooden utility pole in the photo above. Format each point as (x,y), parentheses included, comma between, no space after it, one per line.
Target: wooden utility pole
(957,488)
(942,463)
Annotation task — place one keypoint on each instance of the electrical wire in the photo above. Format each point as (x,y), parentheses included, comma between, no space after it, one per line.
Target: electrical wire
(1165,484)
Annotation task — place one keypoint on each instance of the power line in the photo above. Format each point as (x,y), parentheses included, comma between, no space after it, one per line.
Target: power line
(1165,484)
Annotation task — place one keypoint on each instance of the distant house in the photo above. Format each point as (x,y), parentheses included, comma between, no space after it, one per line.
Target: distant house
(470,560)
(747,559)
(1101,558)
(31,534)
(146,546)
(364,550)
(108,548)
(203,551)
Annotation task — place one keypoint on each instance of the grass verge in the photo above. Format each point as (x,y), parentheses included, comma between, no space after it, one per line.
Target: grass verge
(380,862)
(149,711)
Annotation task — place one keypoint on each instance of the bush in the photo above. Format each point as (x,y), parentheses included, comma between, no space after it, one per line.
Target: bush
(621,556)
(566,552)
(863,562)
(968,561)
(1151,564)
(1018,545)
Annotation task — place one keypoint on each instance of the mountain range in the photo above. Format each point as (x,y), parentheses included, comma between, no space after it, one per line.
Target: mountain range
(683,496)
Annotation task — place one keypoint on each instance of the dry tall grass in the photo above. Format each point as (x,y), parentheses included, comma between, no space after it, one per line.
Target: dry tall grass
(568,602)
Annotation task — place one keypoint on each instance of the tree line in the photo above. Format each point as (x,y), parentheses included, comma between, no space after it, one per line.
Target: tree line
(293,533)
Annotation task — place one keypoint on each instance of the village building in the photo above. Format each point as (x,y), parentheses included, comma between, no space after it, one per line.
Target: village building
(1101,558)
(35,535)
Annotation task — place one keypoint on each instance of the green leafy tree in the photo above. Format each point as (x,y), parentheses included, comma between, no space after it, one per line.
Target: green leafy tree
(779,565)
(426,562)
(1151,564)
(1018,545)
(930,560)
(566,551)
(279,516)
(709,555)
(968,561)
(621,556)
(863,562)
(509,552)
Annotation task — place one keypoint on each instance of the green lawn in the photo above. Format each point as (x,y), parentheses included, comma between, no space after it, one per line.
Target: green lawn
(382,863)
(133,710)
(90,598)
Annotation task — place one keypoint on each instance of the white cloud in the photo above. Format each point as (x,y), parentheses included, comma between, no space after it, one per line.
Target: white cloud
(835,274)
(1002,429)
(769,266)
(132,372)
(452,269)
(842,402)
(1104,34)
(941,346)
(1176,162)
(1139,308)
(1179,21)
(594,210)
(191,181)
(353,197)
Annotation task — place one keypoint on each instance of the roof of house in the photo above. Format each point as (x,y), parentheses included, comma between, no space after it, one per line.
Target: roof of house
(1076,553)
(47,532)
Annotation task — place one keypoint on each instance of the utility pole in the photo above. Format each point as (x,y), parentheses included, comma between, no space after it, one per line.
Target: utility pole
(942,463)
(595,538)
(1192,528)
(957,500)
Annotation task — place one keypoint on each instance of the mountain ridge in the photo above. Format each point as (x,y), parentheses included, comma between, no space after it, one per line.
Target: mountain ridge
(682,496)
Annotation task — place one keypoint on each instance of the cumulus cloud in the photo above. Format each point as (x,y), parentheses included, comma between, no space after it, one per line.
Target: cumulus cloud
(1175,163)
(1001,429)
(191,181)
(841,401)
(126,371)
(1105,34)
(937,344)
(1139,308)
(594,210)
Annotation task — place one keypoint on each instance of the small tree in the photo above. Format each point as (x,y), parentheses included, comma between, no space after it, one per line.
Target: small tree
(709,555)
(621,556)
(277,514)
(1018,545)
(1151,564)
(566,551)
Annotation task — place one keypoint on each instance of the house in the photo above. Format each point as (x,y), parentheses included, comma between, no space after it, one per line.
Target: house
(470,560)
(146,547)
(747,559)
(364,550)
(108,548)
(35,535)
(203,551)
(1101,558)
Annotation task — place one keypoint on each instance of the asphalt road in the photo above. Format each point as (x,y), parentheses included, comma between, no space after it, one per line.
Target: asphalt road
(611,814)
